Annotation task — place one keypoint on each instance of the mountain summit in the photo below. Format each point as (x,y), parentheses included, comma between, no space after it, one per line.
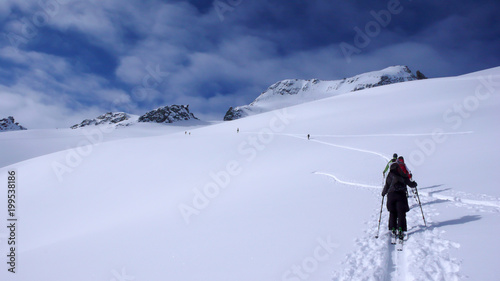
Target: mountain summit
(109,118)
(9,124)
(296,91)
(165,114)
(168,114)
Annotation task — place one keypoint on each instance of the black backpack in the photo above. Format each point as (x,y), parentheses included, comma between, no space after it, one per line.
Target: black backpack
(397,183)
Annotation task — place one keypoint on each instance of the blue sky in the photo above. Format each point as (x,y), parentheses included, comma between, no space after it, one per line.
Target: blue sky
(62,61)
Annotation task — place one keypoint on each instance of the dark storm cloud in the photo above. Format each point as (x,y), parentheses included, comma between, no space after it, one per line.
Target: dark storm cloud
(136,55)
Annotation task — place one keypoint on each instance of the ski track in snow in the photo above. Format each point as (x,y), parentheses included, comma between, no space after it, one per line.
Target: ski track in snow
(341,146)
(346,182)
(425,250)
(388,135)
(460,199)
(425,254)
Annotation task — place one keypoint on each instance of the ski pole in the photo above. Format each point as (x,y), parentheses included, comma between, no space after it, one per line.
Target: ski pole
(380,217)
(420,204)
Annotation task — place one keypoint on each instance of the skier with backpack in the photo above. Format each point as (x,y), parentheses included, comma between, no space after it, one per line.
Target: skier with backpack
(397,202)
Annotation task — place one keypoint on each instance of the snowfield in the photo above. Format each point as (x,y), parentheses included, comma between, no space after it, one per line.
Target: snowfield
(154,203)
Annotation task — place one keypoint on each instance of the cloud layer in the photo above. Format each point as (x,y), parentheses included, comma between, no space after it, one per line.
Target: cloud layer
(65,60)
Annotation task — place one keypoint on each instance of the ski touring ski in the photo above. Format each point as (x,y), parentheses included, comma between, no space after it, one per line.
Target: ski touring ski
(397,238)
(400,239)
(393,238)
(399,245)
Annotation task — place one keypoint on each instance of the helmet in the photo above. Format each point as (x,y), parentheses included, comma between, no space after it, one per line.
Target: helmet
(400,158)
(395,155)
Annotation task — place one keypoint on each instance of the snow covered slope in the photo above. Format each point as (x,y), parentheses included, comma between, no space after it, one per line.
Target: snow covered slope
(296,91)
(268,204)
(34,143)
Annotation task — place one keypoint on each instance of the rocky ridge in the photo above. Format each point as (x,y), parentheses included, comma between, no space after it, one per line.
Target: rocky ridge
(165,114)
(9,124)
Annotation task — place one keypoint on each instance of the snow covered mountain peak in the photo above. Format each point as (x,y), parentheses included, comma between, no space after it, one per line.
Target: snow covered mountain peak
(291,92)
(9,124)
(165,114)
(168,114)
(109,118)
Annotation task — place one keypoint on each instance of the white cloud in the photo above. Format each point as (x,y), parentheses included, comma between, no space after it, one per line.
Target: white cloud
(114,96)
(35,110)
(131,70)
(199,53)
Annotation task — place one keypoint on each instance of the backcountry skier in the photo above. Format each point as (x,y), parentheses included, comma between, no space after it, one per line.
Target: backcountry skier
(394,158)
(397,202)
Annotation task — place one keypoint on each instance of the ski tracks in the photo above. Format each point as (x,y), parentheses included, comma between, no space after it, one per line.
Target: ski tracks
(425,254)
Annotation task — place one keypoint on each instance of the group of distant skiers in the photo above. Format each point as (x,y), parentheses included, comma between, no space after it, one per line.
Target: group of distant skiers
(396,182)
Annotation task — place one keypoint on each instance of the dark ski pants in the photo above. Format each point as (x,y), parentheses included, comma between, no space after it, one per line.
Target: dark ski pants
(397,205)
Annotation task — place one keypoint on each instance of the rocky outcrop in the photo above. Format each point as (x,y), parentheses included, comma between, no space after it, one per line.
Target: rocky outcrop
(9,124)
(168,114)
(109,118)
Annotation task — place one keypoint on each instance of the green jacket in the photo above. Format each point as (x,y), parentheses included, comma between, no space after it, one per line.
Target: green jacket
(388,165)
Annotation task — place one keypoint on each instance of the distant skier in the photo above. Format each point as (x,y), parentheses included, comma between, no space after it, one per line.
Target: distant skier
(397,201)
(308,136)
(237,130)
